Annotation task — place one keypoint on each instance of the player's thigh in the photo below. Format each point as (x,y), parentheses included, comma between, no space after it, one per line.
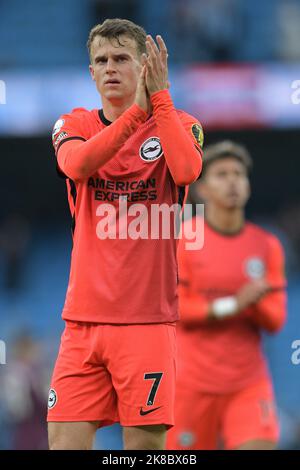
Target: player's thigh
(81,387)
(143,371)
(144,437)
(250,417)
(257,445)
(71,436)
(196,420)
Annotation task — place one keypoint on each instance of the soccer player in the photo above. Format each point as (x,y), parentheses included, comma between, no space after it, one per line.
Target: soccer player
(229,291)
(116,361)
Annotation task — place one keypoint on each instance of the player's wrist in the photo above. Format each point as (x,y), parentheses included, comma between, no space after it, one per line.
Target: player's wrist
(163,93)
(162,101)
(224,307)
(139,111)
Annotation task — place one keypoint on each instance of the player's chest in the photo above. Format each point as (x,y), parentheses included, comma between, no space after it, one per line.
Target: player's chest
(136,173)
(141,155)
(228,262)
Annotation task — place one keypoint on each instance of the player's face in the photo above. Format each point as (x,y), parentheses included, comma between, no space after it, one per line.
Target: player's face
(226,184)
(115,67)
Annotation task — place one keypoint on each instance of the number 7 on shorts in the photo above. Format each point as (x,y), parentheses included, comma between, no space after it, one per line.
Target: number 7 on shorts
(156,376)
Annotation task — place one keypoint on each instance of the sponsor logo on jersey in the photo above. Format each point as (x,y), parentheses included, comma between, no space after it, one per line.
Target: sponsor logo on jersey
(151,149)
(197,132)
(255,268)
(52,399)
(61,136)
(57,127)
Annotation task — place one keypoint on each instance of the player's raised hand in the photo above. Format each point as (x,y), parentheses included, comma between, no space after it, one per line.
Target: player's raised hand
(156,65)
(251,293)
(141,96)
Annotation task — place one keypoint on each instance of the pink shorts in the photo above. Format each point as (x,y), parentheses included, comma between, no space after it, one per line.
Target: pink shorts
(115,373)
(203,421)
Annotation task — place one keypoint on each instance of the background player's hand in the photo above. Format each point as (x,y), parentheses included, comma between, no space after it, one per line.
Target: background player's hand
(142,98)
(156,65)
(251,293)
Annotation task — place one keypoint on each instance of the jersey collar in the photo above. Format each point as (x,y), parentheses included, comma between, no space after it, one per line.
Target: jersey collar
(106,122)
(237,232)
(102,118)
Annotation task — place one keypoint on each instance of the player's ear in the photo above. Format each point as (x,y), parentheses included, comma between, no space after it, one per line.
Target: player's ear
(248,191)
(196,192)
(201,190)
(91,69)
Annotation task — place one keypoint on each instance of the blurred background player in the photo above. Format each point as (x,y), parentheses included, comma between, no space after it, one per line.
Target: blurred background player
(116,361)
(230,291)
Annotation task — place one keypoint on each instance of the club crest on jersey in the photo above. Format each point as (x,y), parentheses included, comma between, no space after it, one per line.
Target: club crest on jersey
(57,127)
(151,150)
(52,398)
(255,268)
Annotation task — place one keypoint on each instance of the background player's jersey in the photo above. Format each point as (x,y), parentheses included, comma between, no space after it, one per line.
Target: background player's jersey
(120,280)
(220,356)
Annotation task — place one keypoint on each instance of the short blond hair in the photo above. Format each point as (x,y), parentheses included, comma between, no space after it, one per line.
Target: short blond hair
(116,27)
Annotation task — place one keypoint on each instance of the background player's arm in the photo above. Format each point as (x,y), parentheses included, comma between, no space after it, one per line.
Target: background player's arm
(270,311)
(182,156)
(195,308)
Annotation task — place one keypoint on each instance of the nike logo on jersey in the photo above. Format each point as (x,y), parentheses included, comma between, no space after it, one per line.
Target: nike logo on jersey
(143,413)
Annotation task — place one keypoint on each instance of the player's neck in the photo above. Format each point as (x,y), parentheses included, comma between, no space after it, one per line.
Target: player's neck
(113,110)
(229,221)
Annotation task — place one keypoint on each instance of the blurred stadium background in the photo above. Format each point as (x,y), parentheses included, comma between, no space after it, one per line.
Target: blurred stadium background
(232,64)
